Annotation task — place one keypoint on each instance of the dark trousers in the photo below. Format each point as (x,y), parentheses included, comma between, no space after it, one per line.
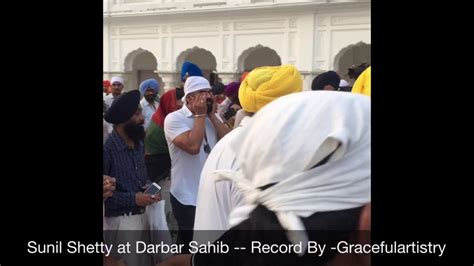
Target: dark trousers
(158,166)
(184,215)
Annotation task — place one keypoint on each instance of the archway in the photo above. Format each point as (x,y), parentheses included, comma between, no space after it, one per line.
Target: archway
(354,54)
(142,65)
(258,56)
(201,57)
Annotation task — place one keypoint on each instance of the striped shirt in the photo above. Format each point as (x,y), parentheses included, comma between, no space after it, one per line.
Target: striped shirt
(128,167)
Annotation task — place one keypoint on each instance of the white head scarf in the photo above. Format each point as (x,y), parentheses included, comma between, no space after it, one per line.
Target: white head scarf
(282,144)
(343,83)
(193,84)
(116,79)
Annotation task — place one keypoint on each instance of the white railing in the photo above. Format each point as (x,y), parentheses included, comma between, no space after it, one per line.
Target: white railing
(140,6)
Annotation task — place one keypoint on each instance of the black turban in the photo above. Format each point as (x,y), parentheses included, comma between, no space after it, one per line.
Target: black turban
(326,78)
(123,107)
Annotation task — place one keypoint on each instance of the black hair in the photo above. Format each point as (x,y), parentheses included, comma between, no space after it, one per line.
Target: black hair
(218,88)
(355,71)
(213,78)
(179,93)
(326,78)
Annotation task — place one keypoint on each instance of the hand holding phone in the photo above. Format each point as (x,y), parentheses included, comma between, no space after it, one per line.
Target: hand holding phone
(153,189)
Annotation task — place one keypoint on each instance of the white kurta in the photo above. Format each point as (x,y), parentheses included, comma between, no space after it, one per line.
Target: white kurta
(216,200)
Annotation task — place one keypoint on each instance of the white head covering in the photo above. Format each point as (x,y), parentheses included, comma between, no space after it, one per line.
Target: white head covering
(193,84)
(116,79)
(294,133)
(343,83)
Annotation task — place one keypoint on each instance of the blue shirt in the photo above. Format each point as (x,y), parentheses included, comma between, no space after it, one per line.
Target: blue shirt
(128,167)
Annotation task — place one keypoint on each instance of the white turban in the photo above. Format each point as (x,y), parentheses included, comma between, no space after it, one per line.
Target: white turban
(283,143)
(116,79)
(193,84)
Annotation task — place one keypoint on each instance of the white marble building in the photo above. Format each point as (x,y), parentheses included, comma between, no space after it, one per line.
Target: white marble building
(152,38)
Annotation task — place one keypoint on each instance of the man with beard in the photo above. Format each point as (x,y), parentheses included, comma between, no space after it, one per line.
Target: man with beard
(149,90)
(191,133)
(123,157)
(116,84)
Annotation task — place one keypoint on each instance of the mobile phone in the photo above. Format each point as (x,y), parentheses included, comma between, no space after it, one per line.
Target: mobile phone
(153,189)
(209,103)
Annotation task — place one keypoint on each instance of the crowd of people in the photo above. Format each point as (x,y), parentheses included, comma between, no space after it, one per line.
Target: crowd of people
(237,160)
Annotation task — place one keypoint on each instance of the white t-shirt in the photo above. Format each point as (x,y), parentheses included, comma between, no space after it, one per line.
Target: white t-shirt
(185,167)
(148,110)
(216,200)
(107,129)
(109,99)
(222,107)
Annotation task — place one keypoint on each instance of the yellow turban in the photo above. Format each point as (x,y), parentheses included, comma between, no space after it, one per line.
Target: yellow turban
(362,84)
(265,84)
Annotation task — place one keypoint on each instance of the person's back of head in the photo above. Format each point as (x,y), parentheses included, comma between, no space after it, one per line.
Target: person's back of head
(217,88)
(326,117)
(265,84)
(355,71)
(309,176)
(326,81)
(231,90)
(213,78)
(363,83)
(179,93)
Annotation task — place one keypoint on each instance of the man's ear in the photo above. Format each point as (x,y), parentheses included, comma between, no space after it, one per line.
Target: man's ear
(189,98)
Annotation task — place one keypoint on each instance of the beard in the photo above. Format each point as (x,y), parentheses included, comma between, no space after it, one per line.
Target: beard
(150,98)
(134,131)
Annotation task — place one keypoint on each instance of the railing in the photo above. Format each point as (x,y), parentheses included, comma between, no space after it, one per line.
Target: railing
(141,6)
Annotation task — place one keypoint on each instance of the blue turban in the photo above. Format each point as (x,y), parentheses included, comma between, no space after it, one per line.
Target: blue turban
(191,69)
(149,84)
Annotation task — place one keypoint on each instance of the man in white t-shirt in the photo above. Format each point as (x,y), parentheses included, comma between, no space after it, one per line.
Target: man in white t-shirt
(191,133)
(116,84)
